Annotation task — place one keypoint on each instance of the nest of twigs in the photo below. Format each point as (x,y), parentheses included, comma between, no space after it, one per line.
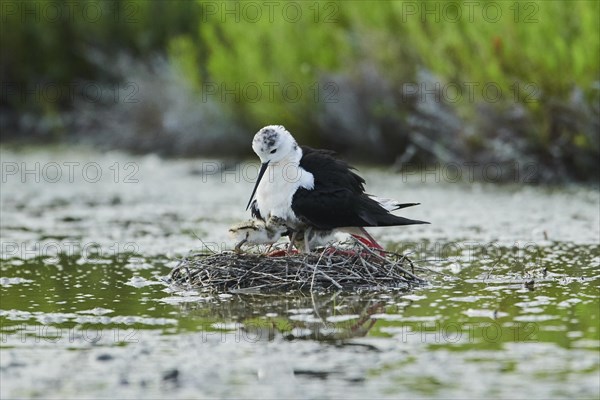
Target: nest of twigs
(352,268)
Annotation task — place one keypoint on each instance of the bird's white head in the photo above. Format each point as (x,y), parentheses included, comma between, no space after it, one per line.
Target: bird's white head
(274,143)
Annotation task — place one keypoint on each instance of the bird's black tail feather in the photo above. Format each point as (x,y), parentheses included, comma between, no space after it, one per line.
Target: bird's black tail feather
(373,214)
(394,220)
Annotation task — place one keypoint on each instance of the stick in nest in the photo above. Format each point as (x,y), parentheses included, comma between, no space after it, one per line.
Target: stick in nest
(351,267)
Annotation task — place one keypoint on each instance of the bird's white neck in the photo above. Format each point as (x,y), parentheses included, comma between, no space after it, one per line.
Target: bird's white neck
(276,189)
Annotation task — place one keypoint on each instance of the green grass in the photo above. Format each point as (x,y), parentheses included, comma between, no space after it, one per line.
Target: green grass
(537,54)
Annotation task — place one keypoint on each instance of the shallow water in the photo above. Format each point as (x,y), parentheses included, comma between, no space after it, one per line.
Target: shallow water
(512,308)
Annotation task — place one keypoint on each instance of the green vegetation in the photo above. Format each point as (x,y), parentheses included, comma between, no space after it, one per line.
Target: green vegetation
(524,74)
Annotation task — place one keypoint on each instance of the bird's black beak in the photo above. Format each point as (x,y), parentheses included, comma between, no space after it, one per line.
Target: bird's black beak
(263,169)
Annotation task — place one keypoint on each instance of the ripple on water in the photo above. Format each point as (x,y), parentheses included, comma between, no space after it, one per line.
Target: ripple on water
(7,282)
(140,282)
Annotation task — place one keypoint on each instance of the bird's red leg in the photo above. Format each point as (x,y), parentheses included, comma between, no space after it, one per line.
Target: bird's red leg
(363,240)
(369,241)
(373,243)
(278,253)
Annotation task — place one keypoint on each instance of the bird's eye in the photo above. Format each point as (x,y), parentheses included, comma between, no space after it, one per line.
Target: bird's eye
(273,151)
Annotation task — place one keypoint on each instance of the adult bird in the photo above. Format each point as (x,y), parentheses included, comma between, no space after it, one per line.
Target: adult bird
(311,190)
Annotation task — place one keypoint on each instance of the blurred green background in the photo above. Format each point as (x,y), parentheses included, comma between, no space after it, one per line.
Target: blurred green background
(403,82)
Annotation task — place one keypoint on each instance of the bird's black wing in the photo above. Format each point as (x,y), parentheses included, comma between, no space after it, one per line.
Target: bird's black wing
(338,198)
(329,171)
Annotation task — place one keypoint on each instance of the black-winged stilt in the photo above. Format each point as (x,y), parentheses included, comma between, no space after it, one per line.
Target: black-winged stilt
(311,190)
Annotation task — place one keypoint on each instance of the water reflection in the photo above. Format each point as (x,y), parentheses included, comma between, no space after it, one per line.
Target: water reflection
(321,317)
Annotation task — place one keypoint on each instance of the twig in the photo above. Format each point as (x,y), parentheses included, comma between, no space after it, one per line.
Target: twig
(355,267)
(382,258)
